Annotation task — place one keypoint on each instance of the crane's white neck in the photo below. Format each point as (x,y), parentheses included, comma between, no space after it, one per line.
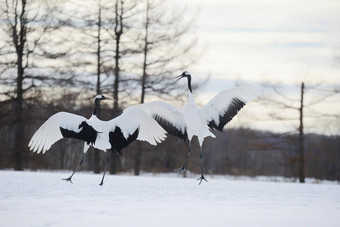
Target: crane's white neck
(191,99)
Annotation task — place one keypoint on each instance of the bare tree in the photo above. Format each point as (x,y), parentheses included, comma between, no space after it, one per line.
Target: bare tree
(24,25)
(282,103)
(96,160)
(301,158)
(168,47)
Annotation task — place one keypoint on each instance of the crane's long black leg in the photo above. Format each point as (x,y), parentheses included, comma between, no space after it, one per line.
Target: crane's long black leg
(106,163)
(201,159)
(78,167)
(183,168)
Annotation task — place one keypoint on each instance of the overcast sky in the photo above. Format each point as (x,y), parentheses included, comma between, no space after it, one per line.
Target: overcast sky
(284,41)
(280,40)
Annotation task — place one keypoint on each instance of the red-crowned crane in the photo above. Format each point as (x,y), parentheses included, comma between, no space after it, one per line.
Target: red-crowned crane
(192,120)
(132,124)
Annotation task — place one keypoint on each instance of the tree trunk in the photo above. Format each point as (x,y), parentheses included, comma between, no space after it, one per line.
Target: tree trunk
(96,155)
(137,157)
(139,147)
(19,40)
(116,81)
(301,140)
(113,161)
(116,112)
(19,125)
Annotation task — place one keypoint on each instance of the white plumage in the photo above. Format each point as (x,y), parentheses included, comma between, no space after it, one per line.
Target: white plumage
(149,130)
(49,132)
(222,101)
(128,122)
(192,120)
(115,134)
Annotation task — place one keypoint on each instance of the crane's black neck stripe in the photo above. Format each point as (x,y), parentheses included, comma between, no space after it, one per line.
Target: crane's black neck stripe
(96,106)
(87,133)
(118,141)
(189,82)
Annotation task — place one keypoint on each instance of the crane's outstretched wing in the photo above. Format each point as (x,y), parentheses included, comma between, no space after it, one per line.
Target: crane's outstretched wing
(134,124)
(61,125)
(225,105)
(168,116)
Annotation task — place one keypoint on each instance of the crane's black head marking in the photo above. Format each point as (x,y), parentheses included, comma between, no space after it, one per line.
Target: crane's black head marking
(99,98)
(183,75)
(188,76)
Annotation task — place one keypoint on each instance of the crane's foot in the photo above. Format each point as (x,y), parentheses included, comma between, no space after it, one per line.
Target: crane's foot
(68,179)
(202,178)
(180,170)
(101,183)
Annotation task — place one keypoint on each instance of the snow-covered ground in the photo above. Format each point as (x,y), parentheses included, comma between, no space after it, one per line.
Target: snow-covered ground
(42,199)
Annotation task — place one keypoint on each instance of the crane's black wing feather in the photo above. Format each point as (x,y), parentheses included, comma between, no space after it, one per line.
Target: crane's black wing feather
(226,104)
(118,141)
(87,133)
(170,118)
(233,108)
(170,128)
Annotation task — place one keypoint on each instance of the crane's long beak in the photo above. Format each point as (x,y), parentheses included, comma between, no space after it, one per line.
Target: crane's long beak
(178,77)
(108,98)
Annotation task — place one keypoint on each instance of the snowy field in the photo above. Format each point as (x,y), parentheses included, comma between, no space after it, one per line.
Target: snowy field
(42,199)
